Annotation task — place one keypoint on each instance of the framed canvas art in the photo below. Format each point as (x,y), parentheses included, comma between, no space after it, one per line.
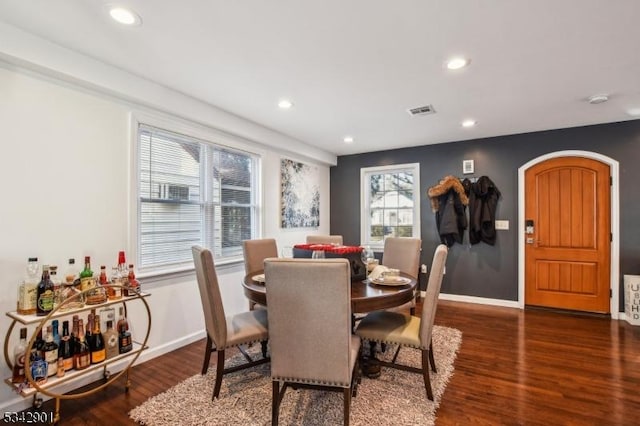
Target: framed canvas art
(299,195)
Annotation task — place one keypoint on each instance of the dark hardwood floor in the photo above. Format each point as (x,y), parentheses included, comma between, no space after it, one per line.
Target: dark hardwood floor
(514,368)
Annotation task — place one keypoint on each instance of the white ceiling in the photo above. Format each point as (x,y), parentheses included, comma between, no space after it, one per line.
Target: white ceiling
(353,67)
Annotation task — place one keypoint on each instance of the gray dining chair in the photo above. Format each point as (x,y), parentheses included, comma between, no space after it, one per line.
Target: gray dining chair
(255,252)
(225,332)
(407,330)
(403,253)
(324,239)
(310,336)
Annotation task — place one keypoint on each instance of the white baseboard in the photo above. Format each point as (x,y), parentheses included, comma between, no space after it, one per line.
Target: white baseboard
(19,403)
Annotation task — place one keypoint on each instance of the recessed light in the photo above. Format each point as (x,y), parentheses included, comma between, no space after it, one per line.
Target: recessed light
(634,112)
(469,123)
(123,15)
(348,139)
(457,63)
(285,104)
(598,99)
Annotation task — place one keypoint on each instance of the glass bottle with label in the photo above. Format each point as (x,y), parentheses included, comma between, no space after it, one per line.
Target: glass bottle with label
(65,350)
(44,303)
(111,341)
(19,353)
(50,352)
(55,330)
(122,320)
(124,340)
(134,284)
(114,292)
(70,295)
(81,353)
(57,284)
(28,289)
(98,351)
(123,271)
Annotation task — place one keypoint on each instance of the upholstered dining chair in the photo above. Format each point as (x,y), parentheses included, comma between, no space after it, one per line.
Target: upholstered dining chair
(255,252)
(408,330)
(403,253)
(312,346)
(324,239)
(225,332)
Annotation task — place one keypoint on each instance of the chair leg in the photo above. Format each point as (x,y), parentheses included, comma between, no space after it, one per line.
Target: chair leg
(347,405)
(275,401)
(425,373)
(219,373)
(263,345)
(432,360)
(396,354)
(207,355)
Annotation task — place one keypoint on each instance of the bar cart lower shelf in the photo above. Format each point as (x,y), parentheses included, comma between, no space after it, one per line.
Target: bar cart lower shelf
(33,389)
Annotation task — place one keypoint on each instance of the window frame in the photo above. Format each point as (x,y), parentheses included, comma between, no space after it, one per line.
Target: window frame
(365,200)
(200,134)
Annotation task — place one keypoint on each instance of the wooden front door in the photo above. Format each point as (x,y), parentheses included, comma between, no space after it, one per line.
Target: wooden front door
(568,234)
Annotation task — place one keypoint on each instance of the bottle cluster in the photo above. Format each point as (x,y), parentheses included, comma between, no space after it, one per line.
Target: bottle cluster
(75,349)
(43,290)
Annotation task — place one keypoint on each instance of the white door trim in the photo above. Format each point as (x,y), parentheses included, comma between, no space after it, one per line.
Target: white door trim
(615,222)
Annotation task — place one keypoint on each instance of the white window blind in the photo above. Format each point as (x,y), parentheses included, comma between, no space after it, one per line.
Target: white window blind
(192,192)
(390,203)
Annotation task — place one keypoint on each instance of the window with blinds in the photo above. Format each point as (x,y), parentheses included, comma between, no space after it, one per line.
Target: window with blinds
(391,203)
(192,192)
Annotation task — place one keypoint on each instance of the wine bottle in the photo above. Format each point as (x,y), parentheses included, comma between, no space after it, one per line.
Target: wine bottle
(98,351)
(45,294)
(19,354)
(111,341)
(65,349)
(50,353)
(81,353)
(55,331)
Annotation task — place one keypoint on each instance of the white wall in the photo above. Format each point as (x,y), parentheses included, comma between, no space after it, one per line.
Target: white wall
(65,173)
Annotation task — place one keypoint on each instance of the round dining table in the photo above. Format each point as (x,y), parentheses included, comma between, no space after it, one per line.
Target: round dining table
(365,295)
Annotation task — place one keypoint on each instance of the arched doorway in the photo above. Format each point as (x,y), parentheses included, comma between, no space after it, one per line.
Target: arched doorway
(531,238)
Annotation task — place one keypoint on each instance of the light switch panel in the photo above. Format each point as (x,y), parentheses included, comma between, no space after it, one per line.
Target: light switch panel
(502,225)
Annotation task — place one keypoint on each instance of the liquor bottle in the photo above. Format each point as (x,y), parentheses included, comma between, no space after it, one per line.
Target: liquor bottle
(28,289)
(98,351)
(111,341)
(71,297)
(88,335)
(50,353)
(122,320)
(86,275)
(124,339)
(61,370)
(81,354)
(74,333)
(19,354)
(123,271)
(96,294)
(57,284)
(55,331)
(114,292)
(133,283)
(39,343)
(102,278)
(45,294)
(65,349)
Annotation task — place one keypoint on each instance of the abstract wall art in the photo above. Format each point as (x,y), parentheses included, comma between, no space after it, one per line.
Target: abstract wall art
(299,195)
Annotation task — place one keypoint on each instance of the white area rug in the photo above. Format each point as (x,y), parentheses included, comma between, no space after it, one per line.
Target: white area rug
(395,398)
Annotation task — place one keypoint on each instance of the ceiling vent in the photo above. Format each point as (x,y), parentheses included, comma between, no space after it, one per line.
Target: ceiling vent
(423,110)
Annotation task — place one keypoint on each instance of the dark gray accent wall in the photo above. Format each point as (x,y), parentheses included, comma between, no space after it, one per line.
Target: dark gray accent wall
(492,271)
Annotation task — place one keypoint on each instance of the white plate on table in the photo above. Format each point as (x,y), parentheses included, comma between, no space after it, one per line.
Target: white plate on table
(259,278)
(393,281)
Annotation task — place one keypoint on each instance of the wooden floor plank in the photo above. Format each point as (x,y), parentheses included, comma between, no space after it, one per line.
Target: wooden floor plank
(515,367)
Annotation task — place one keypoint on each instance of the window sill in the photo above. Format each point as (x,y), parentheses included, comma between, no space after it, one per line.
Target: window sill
(150,277)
